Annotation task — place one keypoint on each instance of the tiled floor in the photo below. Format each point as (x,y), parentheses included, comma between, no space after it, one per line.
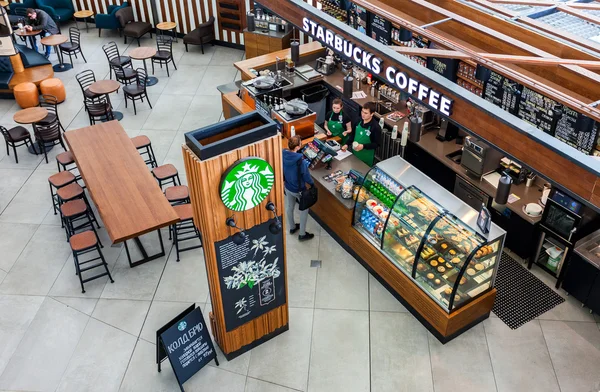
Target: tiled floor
(347,333)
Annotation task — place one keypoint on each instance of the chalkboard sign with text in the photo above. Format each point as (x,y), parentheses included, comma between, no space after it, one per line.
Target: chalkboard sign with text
(576,130)
(251,275)
(186,342)
(539,110)
(381,29)
(502,92)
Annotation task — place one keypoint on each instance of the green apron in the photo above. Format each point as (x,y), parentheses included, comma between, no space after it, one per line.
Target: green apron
(336,127)
(363,136)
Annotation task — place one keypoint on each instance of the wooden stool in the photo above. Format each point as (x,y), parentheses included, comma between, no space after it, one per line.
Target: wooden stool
(58,181)
(183,227)
(54,86)
(166,174)
(81,244)
(144,146)
(26,95)
(177,194)
(77,216)
(63,160)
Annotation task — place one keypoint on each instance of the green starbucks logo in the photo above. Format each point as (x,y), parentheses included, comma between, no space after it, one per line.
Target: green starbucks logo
(246,184)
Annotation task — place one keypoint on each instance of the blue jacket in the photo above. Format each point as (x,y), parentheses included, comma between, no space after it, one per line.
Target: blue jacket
(290,171)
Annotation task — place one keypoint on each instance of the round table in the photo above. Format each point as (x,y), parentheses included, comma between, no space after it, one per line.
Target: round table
(30,116)
(105,87)
(3,4)
(143,53)
(31,34)
(55,40)
(168,26)
(83,14)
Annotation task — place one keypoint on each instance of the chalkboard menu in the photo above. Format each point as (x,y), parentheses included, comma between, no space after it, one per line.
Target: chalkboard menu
(576,130)
(357,18)
(539,110)
(186,342)
(445,67)
(502,92)
(381,29)
(251,275)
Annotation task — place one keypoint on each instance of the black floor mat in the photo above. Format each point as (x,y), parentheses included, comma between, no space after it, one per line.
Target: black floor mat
(521,296)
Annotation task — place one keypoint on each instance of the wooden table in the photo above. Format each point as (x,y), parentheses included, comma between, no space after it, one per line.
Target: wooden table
(55,40)
(143,53)
(30,116)
(167,26)
(3,4)
(105,87)
(83,14)
(31,34)
(128,198)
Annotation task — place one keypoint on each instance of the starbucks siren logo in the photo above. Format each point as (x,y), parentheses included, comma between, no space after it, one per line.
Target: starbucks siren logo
(246,184)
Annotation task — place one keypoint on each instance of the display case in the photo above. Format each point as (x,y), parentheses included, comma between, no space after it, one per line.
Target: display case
(428,233)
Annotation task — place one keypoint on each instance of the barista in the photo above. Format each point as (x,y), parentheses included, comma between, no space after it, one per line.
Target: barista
(337,123)
(366,137)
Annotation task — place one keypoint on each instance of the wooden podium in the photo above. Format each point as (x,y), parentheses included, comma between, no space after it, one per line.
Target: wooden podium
(234,172)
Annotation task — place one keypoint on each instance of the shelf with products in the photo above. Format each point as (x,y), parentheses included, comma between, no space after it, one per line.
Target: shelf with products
(332,8)
(439,252)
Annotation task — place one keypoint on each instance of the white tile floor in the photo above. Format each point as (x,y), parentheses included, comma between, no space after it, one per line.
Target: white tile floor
(347,333)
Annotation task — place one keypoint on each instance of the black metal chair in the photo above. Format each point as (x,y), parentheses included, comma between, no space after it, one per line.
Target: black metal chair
(74,46)
(137,91)
(184,229)
(51,104)
(99,110)
(124,75)
(111,50)
(15,137)
(86,79)
(48,134)
(81,244)
(164,54)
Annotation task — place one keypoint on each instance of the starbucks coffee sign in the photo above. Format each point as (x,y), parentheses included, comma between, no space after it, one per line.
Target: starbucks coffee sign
(246,183)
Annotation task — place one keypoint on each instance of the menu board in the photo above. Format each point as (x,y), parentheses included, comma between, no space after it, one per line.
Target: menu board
(357,18)
(576,130)
(502,92)
(539,110)
(251,274)
(381,29)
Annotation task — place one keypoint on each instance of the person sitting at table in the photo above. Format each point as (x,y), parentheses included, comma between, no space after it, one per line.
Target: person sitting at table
(366,137)
(40,20)
(336,121)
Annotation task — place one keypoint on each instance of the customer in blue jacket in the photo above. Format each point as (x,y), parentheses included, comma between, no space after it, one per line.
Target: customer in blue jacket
(293,185)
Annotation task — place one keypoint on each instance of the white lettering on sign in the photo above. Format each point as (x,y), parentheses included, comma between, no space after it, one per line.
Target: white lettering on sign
(374,64)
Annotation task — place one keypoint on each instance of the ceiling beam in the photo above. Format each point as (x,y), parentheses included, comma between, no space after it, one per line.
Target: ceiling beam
(579,14)
(585,6)
(525,2)
(425,52)
(541,61)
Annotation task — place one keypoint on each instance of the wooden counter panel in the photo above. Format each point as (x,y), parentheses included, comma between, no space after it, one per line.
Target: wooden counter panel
(475,310)
(333,213)
(233,105)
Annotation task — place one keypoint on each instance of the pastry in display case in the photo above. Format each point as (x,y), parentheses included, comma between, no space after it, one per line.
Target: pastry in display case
(424,237)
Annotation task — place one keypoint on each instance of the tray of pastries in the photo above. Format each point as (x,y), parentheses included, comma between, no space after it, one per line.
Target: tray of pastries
(484,251)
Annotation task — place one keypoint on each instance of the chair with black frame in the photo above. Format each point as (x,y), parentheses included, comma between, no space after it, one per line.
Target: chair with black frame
(137,91)
(166,174)
(143,144)
(76,217)
(86,79)
(48,133)
(83,243)
(111,50)
(124,75)
(51,104)
(74,46)
(99,110)
(184,230)
(15,137)
(164,53)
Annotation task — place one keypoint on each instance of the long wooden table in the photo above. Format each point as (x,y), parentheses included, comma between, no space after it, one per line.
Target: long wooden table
(126,194)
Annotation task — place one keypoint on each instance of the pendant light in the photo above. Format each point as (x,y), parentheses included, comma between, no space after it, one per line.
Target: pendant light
(405,35)
(295,48)
(482,73)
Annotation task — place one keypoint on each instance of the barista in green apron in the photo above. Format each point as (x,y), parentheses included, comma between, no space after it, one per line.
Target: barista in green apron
(366,137)
(336,122)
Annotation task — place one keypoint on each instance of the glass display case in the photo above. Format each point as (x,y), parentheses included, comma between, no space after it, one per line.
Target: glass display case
(428,233)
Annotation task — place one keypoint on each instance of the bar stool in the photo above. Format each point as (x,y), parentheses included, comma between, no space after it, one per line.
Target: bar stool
(65,159)
(74,191)
(81,244)
(178,194)
(58,181)
(182,230)
(77,216)
(166,174)
(144,146)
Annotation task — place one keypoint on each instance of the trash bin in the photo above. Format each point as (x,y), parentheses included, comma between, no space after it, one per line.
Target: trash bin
(316,98)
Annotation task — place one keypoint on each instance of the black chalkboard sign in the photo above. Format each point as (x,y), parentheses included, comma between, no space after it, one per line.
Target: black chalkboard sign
(186,342)
(502,92)
(445,67)
(539,110)
(381,29)
(576,130)
(251,275)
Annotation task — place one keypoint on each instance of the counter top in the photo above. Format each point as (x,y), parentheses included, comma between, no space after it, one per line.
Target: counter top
(589,248)
(269,33)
